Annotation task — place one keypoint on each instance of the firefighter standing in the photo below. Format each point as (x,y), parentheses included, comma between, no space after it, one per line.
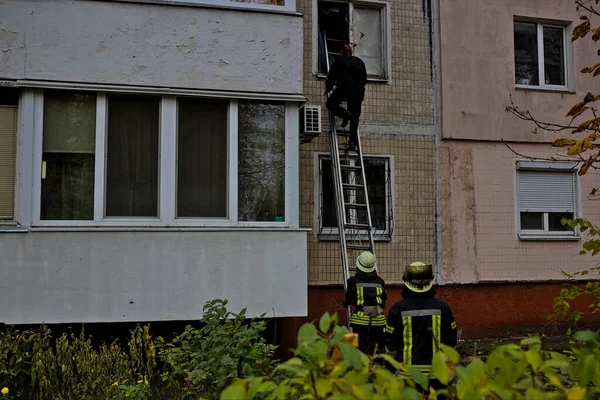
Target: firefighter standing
(349,75)
(366,293)
(419,322)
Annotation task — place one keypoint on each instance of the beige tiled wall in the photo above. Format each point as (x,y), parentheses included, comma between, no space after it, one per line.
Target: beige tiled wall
(407,102)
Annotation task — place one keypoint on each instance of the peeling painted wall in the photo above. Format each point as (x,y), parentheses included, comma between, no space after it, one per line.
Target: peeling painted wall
(62,277)
(479,240)
(150,45)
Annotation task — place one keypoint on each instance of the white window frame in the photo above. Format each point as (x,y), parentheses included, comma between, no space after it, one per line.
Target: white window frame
(289,7)
(567,56)
(168,169)
(386,236)
(547,166)
(385,34)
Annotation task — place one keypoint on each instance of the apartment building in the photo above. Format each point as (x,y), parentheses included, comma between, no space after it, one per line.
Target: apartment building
(149,159)
(399,133)
(502,194)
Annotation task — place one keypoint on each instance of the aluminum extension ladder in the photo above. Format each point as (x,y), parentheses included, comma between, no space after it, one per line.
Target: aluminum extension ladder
(351,200)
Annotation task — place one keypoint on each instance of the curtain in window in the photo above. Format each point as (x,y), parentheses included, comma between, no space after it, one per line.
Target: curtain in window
(368,22)
(8,135)
(202,158)
(132,157)
(68,152)
(261,164)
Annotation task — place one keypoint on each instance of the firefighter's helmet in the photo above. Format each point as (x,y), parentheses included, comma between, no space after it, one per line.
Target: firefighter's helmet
(366,262)
(418,277)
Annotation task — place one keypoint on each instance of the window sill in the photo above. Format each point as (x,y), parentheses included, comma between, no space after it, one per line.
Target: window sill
(321,75)
(12,227)
(562,90)
(236,6)
(334,238)
(262,228)
(541,237)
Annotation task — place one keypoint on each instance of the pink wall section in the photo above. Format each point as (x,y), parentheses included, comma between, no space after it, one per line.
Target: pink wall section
(478,227)
(477,69)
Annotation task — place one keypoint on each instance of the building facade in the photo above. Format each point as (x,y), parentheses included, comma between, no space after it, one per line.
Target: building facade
(149,160)
(504,189)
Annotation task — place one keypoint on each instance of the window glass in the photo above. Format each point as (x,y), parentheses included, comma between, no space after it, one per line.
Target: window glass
(132,156)
(555,224)
(554,60)
(9,99)
(261,163)
(376,171)
(526,54)
(202,158)
(68,156)
(532,221)
(367,29)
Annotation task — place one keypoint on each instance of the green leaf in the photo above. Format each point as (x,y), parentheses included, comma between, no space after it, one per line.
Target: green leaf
(307,334)
(393,362)
(234,392)
(439,367)
(324,323)
(451,353)
(418,377)
(352,355)
(324,387)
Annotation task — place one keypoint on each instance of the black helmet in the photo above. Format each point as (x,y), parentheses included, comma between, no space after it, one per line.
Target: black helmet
(418,277)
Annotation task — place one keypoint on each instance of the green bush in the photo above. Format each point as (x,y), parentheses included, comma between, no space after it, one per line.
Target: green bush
(227,347)
(199,362)
(326,366)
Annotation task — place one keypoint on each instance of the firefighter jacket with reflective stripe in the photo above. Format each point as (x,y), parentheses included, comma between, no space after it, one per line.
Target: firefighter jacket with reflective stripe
(367,294)
(416,326)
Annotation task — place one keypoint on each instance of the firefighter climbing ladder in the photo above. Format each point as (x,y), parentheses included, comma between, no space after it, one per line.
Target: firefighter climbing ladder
(351,199)
(351,196)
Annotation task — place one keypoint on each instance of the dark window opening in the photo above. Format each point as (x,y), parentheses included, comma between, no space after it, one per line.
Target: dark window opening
(555,224)
(334,31)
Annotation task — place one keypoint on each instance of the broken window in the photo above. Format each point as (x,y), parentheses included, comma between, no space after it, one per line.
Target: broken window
(341,23)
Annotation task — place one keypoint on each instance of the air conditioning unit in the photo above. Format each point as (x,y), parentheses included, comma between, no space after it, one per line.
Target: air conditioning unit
(310,120)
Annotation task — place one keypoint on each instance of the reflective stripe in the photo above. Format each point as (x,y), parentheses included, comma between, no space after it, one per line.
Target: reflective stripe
(389,329)
(453,325)
(359,318)
(375,285)
(421,313)
(379,293)
(408,342)
(360,297)
(436,321)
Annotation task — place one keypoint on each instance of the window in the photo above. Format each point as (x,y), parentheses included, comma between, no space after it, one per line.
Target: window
(546,193)
(132,157)
(9,99)
(202,159)
(130,160)
(540,55)
(340,23)
(379,187)
(261,162)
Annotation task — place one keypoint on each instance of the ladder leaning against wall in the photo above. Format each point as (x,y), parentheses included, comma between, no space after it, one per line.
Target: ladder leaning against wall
(355,231)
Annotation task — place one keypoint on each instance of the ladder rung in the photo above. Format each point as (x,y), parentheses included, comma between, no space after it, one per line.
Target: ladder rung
(344,148)
(357,226)
(355,205)
(352,186)
(351,167)
(357,247)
